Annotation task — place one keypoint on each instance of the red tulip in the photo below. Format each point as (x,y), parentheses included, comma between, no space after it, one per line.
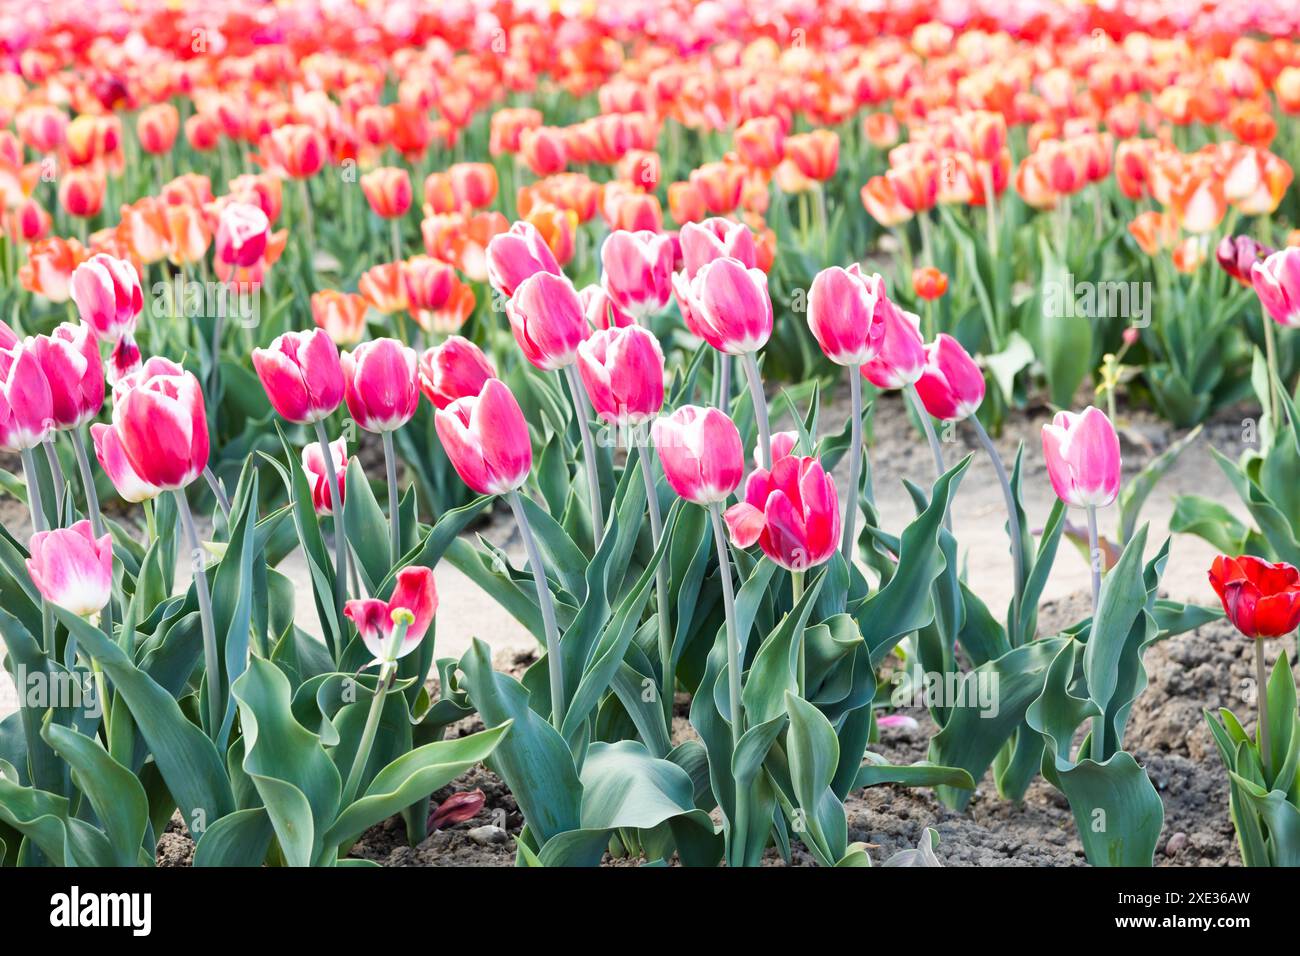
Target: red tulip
(547,319)
(515,255)
(81,192)
(475,184)
(1082,454)
(69,357)
(816,154)
(429,283)
(415,592)
(163,426)
(302,375)
(380,384)
(157,126)
(952,386)
(26,404)
(792,512)
(637,270)
(487,440)
(846,314)
(1260,599)
(298,149)
(72,568)
(701,453)
(455,369)
(388,190)
(313,465)
(623,371)
(929,283)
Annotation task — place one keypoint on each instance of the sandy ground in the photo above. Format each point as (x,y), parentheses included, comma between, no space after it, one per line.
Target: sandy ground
(898,451)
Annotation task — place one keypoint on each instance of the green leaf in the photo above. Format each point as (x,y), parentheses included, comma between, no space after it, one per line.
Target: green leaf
(814,754)
(241,838)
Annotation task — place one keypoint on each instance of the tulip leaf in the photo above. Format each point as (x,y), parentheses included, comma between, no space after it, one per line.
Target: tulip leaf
(365,525)
(241,838)
(814,754)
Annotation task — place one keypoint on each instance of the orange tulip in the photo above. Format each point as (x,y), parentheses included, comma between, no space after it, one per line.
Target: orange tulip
(1190,254)
(929,283)
(90,137)
(188,234)
(374,125)
(507,128)
(188,189)
(142,229)
(81,192)
(881,201)
(1154,232)
(157,127)
(1197,202)
(760,142)
(341,314)
(383,288)
(297,149)
(1034,184)
(880,129)
(203,132)
(1287,89)
(719,185)
(474,184)
(640,168)
(916,184)
(816,154)
(388,190)
(686,203)
(451,316)
(49,267)
(543,149)
(625,207)
(558,227)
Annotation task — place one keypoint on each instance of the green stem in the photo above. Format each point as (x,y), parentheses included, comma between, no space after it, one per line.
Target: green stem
(1013,527)
(56,473)
(151,526)
(395,227)
(734,663)
(796,588)
(1274,379)
(390,466)
(580,405)
(661,584)
(340,543)
(554,662)
(1094,563)
(1261,692)
(855,463)
(39,523)
(935,448)
(760,408)
(210,660)
(92,506)
(387,669)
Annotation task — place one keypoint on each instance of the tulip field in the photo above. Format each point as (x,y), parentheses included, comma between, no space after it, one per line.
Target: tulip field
(661,433)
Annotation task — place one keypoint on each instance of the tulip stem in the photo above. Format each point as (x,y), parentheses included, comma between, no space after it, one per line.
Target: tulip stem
(395,231)
(580,403)
(56,473)
(760,408)
(734,662)
(218,491)
(309,232)
(39,523)
(390,465)
(387,670)
(1013,528)
(554,662)
(990,208)
(1094,562)
(1261,694)
(855,463)
(151,526)
(92,506)
(336,507)
(796,592)
(722,376)
(661,583)
(1270,355)
(935,448)
(210,661)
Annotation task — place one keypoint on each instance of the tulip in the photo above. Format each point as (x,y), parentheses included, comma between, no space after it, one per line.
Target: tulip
(26,402)
(30,222)
(515,255)
(1082,453)
(1277,283)
(1262,600)
(719,186)
(816,154)
(475,184)
(929,283)
(543,149)
(952,385)
(760,141)
(112,458)
(107,293)
(382,395)
(686,203)
(429,284)
(623,372)
(603,312)
(547,319)
(81,192)
(302,375)
(49,267)
(792,512)
(163,426)
(341,314)
(323,479)
(203,132)
(637,271)
(1237,256)
(384,288)
(157,126)
(486,439)
(72,568)
(716,238)
(845,316)
(69,358)
(900,359)
(701,453)
(880,199)
(242,235)
(299,150)
(453,370)
(388,190)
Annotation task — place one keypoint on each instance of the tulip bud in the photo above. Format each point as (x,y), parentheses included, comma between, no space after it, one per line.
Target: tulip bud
(547,319)
(701,453)
(69,357)
(929,283)
(414,595)
(637,270)
(951,386)
(815,154)
(302,375)
(26,404)
(475,184)
(716,238)
(429,283)
(846,315)
(901,357)
(81,192)
(341,314)
(1277,283)
(107,293)
(313,465)
(602,311)
(486,438)
(1082,453)
(1237,256)
(157,126)
(455,369)
(729,306)
(792,512)
(242,235)
(380,384)
(163,426)
(72,568)
(515,255)
(388,190)
(1259,598)
(623,371)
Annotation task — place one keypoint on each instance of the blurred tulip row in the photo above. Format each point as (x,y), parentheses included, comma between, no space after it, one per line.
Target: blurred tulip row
(228,336)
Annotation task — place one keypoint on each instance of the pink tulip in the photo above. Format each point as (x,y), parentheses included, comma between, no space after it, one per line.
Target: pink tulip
(637,270)
(487,440)
(901,358)
(156,365)
(716,238)
(26,403)
(455,369)
(415,592)
(69,357)
(242,235)
(313,464)
(163,427)
(1277,283)
(782,445)
(112,458)
(603,312)
(727,305)
(107,293)
(1082,453)
(547,319)
(72,568)
(846,314)
(952,386)
(515,255)
(302,375)
(380,384)
(793,512)
(623,371)
(701,453)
